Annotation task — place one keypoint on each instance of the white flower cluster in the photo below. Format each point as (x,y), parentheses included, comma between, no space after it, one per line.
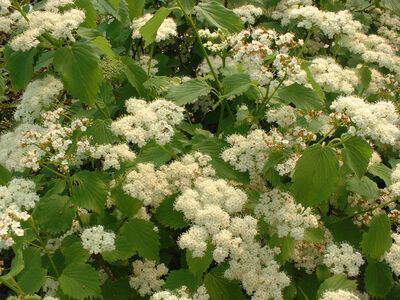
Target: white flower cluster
(395,176)
(146,121)
(182,294)
(113,155)
(96,240)
(287,167)
(166,31)
(146,277)
(343,259)
(148,64)
(60,25)
(16,199)
(339,295)
(38,95)
(376,120)
(280,210)
(284,116)
(248,13)
(151,186)
(392,257)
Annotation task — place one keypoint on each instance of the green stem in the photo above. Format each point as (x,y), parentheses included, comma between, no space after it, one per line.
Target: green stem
(326,135)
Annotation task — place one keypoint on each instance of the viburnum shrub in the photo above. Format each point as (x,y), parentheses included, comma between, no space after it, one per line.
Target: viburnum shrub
(195,150)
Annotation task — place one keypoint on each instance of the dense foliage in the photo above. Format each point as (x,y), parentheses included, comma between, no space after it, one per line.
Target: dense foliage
(182,149)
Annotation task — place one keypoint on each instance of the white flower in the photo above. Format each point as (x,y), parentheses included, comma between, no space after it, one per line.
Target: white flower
(166,31)
(248,13)
(96,240)
(339,295)
(284,115)
(343,259)
(392,257)
(113,155)
(146,277)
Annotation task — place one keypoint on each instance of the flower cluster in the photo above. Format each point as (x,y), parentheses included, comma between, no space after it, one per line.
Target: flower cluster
(182,294)
(146,278)
(166,30)
(343,259)
(392,257)
(96,240)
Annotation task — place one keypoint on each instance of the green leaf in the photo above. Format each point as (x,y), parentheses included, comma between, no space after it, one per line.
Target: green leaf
(235,85)
(365,77)
(136,75)
(381,171)
(168,216)
(301,96)
(356,154)
(20,66)
(220,288)
(101,43)
(100,132)
(90,191)
(55,213)
(128,205)
(274,158)
(344,230)
(364,187)
(73,251)
(316,175)
(198,265)
(393,5)
(79,69)
(135,8)
(378,239)
(33,275)
(378,279)
(219,16)
(179,278)
(149,30)
(90,13)
(154,153)
(5,175)
(80,281)
(337,282)
(17,266)
(188,92)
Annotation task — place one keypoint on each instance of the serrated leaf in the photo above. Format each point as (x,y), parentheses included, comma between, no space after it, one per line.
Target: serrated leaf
(337,282)
(125,203)
(182,277)
(154,153)
(55,213)
(33,275)
(20,66)
(100,132)
(101,43)
(188,92)
(378,279)
(80,281)
(168,216)
(136,8)
(301,96)
(73,251)
(344,230)
(364,187)
(356,154)
(315,175)
(149,30)
(79,69)
(381,171)
(44,60)
(90,13)
(365,77)
(219,16)
(218,287)
(235,85)
(5,175)
(377,240)
(135,74)
(90,190)
(393,5)
(199,265)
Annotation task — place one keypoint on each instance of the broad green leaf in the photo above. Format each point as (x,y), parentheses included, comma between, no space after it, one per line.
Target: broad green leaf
(73,251)
(314,235)
(219,16)
(103,45)
(90,13)
(33,275)
(178,278)
(344,230)
(44,60)
(274,158)
(337,282)
(356,154)
(17,266)
(381,171)
(316,86)
(126,204)
(218,287)
(55,213)
(90,190)
(364,187)
(168,216)
(136,8)
(378,279)
(235,85)
(393,5)
(79,69)
(100,132)
(120,290)
(188,5)
(5,175)
(188,92)
(80,281)
(136,75)
(20,66)
(149,30)
(365,77)
(316,175)
(377,240)
(199,265)
(154,153)
(301,96)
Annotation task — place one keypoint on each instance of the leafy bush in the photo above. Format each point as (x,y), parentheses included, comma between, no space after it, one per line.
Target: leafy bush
(200,149)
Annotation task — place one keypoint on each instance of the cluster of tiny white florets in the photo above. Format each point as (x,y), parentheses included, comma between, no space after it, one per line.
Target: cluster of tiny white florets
(146,277)
(148,120)
(148,64)
(343,259)
(339,295)
(284,116)
(287,167)
(248,13)
(182,294)
(38,95)
(167,29)
(151,186)
(392,257)
(280,210)
(96,240)
(378,121)
(60,25)
(395,176)
(113,155)
(16,199)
